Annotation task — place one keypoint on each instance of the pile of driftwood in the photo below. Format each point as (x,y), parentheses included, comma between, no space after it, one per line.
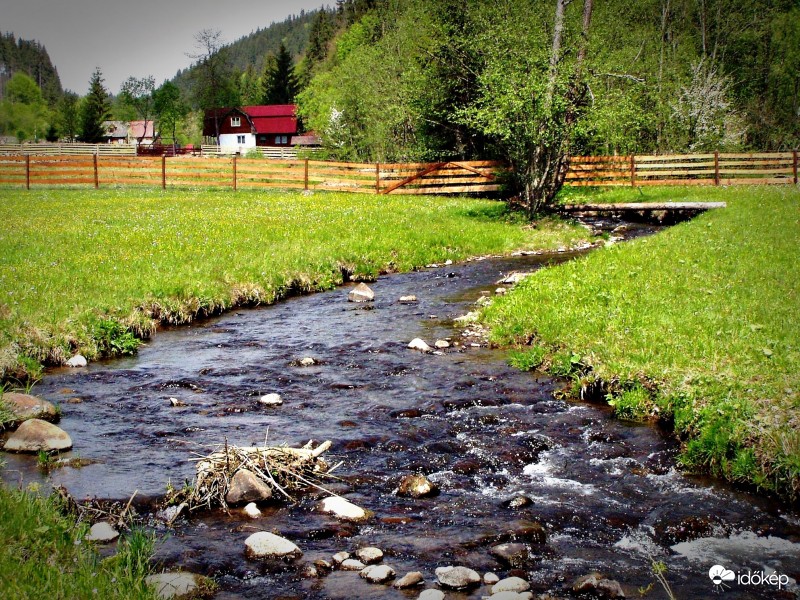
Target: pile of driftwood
(281,468)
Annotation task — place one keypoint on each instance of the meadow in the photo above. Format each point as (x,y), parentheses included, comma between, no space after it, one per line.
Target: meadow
(96,271)
(695,327)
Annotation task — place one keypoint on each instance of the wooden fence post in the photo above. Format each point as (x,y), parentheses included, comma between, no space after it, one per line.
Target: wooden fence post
(633,170)
(306,176)
(96,174)
(163,171)
(27,171)
(377,178)
(716,167)
(234,172)
(794,165)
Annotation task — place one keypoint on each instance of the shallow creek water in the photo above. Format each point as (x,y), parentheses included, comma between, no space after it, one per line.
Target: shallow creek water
(607,493)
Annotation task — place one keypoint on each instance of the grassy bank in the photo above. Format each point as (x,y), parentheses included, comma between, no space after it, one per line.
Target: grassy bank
(89,271)
(696,326)
(44,555)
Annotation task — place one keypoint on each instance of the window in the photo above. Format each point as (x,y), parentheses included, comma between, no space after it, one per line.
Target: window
(281,139)
(240,139)
(236,121)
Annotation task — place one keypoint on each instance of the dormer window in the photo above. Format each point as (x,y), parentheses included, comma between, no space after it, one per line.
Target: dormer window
(236,121)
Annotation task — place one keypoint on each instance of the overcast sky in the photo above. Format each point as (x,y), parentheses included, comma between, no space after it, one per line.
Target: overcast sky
(134,37)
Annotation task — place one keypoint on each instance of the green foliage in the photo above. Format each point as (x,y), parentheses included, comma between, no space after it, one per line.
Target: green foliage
(565,363)
(95,109)
(633,403)
(365,105)
(22,89)
(280,83)
(113,338)
(528,359)
(46,556)
(29,57)
(170,110)
(139,94)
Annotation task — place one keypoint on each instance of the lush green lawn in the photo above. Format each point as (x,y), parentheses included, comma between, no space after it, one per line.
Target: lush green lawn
(44,555)
(697,326)
(80,267)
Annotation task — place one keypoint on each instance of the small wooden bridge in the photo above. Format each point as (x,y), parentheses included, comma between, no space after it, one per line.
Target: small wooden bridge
(662,212)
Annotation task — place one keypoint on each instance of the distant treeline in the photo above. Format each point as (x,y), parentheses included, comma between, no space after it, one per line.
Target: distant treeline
(31,58)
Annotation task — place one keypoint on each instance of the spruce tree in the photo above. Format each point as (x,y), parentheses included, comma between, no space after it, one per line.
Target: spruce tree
(280,84)
(96,109)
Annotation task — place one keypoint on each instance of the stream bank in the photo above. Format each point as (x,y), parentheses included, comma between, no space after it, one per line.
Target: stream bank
(606,494)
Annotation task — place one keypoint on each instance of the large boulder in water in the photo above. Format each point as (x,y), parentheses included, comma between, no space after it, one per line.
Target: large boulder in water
(264,544)
(457,578)
(247,487)
(361,293)
(35,435)
(25,407)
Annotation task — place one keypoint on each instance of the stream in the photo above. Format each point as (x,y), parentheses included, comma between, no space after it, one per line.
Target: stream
(607,493)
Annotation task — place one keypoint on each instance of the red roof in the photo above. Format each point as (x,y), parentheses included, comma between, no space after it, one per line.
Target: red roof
(273,110)
(138,130)
(272,119)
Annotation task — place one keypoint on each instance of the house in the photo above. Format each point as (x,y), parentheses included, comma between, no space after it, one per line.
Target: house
(116,132)
(247,127)
(142,133)
(135,132)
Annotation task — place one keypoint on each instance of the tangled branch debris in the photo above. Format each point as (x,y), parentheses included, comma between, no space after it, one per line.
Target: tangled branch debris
(282,468)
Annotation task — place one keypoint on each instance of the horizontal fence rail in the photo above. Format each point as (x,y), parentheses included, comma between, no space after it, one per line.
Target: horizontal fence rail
(73,149)
(446,177)
(715,168)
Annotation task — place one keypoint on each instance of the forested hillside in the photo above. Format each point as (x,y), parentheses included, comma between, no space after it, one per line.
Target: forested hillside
(248,57)
(31,58)
(420,79)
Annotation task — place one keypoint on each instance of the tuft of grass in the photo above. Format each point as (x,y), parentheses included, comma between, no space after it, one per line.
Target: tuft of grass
(44,554)
(695,326)
(95,271)
(527,359)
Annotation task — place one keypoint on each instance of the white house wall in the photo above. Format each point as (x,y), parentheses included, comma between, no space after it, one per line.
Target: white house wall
(228,140)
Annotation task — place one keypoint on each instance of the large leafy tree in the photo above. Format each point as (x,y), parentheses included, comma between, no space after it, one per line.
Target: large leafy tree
(95,110)
(169,109)
(530,91)
(139,95)
(214,85)
(68,116)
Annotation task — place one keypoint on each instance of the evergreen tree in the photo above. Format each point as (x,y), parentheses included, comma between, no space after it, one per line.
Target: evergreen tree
(319,36)
(96,109)
(280,84)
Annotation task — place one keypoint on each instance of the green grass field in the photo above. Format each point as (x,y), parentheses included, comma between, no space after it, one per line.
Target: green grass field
(696,326)
(85,270)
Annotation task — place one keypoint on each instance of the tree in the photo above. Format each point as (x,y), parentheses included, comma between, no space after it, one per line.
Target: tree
(138,94)
(530,93)
(169,109)
(68,117)
(95,110)
(280,84)
(212,81)
(23,89)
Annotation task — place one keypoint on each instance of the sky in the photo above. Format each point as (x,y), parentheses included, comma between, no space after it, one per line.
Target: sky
(134,38)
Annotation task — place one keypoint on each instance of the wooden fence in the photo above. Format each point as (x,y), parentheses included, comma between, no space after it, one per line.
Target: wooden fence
(74,149)
(454,177)
(685,169)
(234,172)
